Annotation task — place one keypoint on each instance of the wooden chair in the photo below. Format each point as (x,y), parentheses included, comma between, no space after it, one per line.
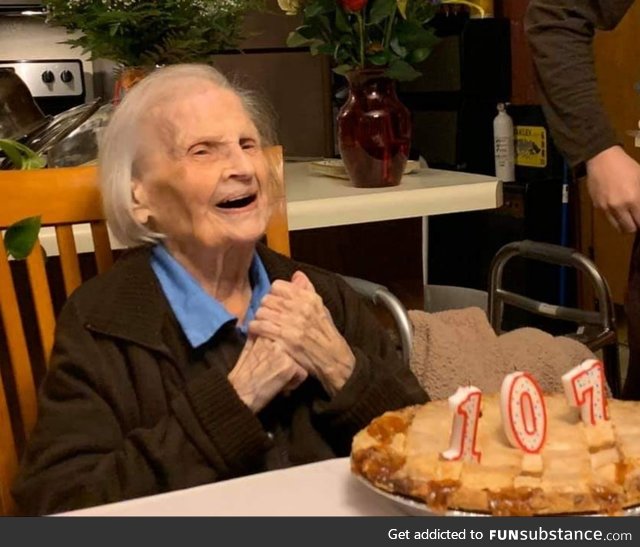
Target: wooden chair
(63,197)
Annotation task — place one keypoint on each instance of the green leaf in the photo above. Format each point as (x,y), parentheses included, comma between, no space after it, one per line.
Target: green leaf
(412,35)
(342,23)
(399,50)
(318,8)
(381,58)
(21,237)
(402,7)
(10,148)
(381,9)
(343,69)
(318,46)
(296,39)
(21,156)
(419,55)
(402,71)
(34,162)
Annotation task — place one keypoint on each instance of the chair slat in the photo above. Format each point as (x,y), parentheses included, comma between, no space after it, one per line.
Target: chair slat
(16,344)
(101,245)
(8,455)
(68,258)
(41,299)
(277,233)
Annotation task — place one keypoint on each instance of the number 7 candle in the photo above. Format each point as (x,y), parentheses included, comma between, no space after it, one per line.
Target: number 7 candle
(584,388)
(465,403)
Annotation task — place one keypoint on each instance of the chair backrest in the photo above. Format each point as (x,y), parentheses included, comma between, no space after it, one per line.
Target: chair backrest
(63,197)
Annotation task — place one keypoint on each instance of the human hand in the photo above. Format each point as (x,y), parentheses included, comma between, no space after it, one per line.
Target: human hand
(263,370)
(613,180)
(294,315)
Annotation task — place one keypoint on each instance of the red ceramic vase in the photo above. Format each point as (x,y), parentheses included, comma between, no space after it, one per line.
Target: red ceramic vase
(374,130)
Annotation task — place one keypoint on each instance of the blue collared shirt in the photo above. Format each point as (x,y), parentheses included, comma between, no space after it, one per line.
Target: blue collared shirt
(199,314)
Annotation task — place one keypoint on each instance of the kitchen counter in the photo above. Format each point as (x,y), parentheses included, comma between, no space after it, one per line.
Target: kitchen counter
(316,201)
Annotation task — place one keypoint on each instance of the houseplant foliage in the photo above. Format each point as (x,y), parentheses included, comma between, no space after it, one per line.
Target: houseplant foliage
(145,33)
(21,236)
(392,34)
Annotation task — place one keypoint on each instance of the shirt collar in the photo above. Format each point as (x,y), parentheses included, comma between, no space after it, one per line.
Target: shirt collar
(199,314)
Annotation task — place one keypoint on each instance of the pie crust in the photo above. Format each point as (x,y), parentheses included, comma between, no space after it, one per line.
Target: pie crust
(580,469)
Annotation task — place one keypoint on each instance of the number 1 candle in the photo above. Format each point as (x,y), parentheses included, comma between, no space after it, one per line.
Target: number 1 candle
(465,403)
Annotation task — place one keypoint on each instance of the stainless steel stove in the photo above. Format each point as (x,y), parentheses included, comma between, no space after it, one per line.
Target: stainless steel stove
(56,84)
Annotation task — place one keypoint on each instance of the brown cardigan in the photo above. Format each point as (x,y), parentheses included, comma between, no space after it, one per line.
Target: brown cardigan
(561,34)
(129,409)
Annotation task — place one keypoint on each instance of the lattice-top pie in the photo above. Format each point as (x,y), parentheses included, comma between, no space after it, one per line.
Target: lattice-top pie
(580,469)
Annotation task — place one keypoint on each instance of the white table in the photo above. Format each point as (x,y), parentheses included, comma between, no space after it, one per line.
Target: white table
(324,488)
(315,201)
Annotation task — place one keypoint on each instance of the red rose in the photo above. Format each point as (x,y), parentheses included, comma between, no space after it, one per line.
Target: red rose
(353,5)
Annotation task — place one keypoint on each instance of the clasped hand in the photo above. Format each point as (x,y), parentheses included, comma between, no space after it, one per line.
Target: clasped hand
(291,337)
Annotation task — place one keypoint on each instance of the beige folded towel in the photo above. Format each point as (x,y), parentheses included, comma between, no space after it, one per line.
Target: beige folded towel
(454,348)
(458,347)
(546,357)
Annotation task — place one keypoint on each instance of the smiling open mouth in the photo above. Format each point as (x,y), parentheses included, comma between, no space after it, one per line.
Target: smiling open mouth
(237,203)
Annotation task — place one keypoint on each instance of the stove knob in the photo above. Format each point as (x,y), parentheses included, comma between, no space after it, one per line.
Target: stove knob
(48,77)
(66,76)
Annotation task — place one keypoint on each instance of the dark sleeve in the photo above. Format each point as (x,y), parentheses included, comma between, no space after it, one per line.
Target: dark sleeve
(101,439)
(380,381)
(560,33)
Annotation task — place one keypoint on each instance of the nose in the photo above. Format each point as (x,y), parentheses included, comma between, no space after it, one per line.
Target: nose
(239,163)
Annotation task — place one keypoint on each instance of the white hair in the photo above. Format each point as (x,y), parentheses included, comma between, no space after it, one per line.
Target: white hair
(120,143)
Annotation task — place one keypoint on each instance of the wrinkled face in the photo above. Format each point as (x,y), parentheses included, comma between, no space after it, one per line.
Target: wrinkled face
(201,173)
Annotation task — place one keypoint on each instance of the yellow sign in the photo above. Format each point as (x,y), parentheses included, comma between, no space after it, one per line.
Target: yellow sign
(531,146)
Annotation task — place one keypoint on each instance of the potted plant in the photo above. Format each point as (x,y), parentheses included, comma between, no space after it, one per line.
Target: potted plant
(140,34)
(373,43)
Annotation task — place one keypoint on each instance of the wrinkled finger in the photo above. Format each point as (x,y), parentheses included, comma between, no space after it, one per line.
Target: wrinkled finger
(277,303)
(299,376)
(301,280)
(286,289)
(268,329)
(613,221)
(634,210)
(268,314)
(625,221)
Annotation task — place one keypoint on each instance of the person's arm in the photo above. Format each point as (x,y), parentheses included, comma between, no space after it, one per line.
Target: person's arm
(560,33)
(93,443)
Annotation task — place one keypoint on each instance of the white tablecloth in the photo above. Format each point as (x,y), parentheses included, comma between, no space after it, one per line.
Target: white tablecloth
(325,488)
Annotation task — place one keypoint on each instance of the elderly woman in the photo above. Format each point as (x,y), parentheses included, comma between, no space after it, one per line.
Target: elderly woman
(201,355)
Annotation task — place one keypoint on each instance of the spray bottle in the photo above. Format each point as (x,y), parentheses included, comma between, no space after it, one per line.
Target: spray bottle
(503,145)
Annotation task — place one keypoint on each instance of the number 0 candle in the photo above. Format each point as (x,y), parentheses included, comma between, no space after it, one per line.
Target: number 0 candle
(524,415)
(584,388)
(465,403)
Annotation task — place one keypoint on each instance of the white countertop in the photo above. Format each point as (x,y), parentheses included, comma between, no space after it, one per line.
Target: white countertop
(325,488)
(315,201)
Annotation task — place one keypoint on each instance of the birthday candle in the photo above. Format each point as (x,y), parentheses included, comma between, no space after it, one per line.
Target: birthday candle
(584,388)
(524,414)
(465,403)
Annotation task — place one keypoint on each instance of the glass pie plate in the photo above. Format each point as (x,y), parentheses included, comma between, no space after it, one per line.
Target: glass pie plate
(418,508)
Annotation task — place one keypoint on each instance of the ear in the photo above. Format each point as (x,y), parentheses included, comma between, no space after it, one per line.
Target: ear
(140,202)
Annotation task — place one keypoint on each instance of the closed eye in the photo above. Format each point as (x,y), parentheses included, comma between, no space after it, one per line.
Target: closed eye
(248,144)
